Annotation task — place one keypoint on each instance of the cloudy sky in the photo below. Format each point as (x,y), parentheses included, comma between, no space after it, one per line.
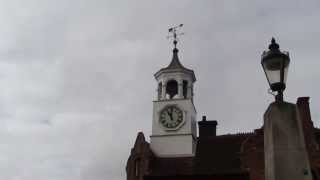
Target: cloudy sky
(76,76)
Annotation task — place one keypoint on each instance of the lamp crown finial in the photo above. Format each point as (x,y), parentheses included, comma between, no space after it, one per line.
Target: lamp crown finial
(273,45)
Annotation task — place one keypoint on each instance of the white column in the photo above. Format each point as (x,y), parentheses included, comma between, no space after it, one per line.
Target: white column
(163,92)
(180,88)
(158,92)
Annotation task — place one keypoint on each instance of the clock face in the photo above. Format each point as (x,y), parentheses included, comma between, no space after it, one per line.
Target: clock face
(171,117)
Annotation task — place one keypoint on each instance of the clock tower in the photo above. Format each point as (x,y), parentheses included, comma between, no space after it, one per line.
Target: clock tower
(174,115)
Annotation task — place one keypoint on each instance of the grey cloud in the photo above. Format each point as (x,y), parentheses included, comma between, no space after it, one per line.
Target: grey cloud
(77,76)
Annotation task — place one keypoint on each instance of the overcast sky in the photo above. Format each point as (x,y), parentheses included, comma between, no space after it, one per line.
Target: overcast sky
(76,77)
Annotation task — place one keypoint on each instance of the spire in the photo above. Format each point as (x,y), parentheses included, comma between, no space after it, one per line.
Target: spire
(175,63)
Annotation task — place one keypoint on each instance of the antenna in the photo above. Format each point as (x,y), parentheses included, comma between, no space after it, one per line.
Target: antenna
(173,31)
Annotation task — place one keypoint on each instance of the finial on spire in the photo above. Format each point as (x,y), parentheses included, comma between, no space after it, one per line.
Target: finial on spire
(273,45)
(175,35)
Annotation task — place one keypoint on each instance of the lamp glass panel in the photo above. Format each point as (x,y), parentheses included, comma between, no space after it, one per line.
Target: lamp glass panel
(272,68)
(273,76)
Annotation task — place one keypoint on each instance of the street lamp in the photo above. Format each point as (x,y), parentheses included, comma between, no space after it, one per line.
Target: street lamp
(275,65)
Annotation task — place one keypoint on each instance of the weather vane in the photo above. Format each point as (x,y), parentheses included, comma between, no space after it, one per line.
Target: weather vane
(173,31)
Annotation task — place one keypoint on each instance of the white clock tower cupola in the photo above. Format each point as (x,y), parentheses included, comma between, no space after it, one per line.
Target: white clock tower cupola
(174,115)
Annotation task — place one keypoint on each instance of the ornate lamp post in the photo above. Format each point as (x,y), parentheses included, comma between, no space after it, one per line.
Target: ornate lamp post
(275,65)
(285,153)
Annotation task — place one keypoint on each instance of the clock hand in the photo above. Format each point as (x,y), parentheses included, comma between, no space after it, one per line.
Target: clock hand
(170,114)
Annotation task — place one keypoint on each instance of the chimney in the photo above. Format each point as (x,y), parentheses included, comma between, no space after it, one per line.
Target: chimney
(307,124)
(303,106)
(207,128)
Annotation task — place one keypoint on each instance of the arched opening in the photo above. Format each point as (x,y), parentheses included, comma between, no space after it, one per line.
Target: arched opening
(172,88)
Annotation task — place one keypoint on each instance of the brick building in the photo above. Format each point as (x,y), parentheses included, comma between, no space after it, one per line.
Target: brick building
(177,153)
